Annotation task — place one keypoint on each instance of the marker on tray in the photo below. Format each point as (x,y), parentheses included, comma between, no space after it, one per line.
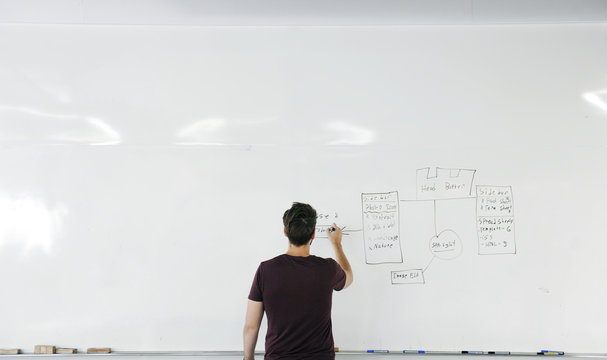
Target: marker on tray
(473,352)
(378,351)
(499,352)
(414,351)
(551,352)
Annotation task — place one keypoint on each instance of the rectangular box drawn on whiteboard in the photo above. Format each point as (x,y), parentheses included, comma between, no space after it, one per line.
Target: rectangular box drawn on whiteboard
(415,276)
(381,228)
(324,221)
(495,220)
(444,183)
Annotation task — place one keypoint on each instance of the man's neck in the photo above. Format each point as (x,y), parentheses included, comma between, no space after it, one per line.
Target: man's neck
(302,251)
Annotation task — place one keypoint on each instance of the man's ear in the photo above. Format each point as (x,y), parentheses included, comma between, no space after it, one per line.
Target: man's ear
(284,230)
(313,235)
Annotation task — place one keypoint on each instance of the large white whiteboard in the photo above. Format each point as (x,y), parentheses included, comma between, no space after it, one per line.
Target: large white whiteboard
(144,172)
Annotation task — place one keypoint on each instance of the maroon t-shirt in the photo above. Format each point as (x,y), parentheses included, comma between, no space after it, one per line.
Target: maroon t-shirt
(297,294)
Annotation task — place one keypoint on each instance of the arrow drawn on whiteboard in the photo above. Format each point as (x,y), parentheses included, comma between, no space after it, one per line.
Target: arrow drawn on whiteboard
(321,231)
(350,231)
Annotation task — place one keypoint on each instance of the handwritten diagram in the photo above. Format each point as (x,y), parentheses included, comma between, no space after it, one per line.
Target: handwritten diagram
(494,221)
(444,184)
(381,224)
(324,221)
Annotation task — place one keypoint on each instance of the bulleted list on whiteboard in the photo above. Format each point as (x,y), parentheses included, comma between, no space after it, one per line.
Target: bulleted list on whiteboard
(495,220)
(381,230)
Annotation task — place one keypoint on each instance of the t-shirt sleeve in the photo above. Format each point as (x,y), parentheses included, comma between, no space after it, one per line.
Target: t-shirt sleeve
(256,294)
(339,277)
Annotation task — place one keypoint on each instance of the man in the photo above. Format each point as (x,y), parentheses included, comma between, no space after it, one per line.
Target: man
(296,290)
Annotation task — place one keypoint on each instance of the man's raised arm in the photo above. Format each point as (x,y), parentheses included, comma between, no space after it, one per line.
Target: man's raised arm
(340,256)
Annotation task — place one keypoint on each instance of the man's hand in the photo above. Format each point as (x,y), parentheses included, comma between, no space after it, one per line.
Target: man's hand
(340,256)
(334,234)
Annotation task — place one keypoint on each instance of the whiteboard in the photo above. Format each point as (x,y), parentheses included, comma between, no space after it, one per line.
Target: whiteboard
(144,172)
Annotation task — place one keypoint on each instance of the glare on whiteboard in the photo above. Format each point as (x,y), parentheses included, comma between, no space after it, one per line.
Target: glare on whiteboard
(29,223)
(595,99)
(40,126)
(349,134)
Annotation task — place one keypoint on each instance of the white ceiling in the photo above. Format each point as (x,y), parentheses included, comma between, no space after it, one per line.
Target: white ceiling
(301,12)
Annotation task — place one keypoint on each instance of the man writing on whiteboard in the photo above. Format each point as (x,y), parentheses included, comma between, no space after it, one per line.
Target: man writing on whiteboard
(295,290)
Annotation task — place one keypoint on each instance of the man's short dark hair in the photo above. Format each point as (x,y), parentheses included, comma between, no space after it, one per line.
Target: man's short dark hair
(300,223)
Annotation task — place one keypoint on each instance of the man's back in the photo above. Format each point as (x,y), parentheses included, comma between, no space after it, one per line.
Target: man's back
(297,295)
(295,290)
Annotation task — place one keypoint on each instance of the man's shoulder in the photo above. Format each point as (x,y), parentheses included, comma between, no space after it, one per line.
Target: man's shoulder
(284,258)
(322,260)
(273,262)
(274,259)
